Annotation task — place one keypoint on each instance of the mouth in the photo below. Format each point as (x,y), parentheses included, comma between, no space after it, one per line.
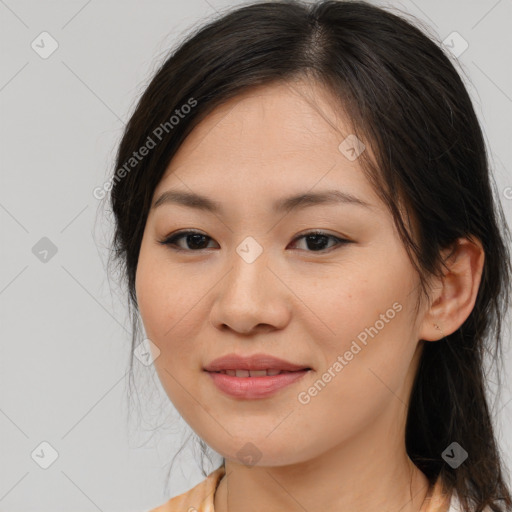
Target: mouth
(255,376)
(255,384)
(253,365)
(270,372)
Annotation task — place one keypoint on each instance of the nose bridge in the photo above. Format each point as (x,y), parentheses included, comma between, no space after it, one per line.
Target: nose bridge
(248,268)
(248,295)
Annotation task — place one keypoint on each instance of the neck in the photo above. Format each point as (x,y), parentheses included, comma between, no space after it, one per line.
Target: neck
(352,476)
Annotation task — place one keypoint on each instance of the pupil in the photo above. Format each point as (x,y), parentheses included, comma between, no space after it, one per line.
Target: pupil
(198,236)
(316,238)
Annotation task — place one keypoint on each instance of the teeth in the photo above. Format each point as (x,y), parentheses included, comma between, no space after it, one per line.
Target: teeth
(253,373)
(258,373)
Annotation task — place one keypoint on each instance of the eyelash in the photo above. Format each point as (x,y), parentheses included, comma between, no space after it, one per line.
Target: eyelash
(170,241)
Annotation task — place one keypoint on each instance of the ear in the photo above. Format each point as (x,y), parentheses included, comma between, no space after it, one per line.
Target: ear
(454,294)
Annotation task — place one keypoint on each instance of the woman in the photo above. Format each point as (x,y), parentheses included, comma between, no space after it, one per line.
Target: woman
(305,219)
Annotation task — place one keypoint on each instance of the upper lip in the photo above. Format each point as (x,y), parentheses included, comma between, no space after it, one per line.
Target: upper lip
(253,362)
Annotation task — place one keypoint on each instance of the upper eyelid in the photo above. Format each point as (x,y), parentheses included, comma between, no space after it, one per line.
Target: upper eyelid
(179,234)
(301,234)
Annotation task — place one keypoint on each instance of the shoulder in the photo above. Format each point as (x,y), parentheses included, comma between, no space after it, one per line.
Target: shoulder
(455,505)
(442,498)
(197,499)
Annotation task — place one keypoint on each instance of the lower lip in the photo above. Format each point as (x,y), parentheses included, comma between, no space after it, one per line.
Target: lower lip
(254,387)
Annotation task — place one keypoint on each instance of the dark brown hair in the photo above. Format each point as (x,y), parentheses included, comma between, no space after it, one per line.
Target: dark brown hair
(404,98)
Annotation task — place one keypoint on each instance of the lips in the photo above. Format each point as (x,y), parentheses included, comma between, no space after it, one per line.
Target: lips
(256,365)
(259,376)
(254,373)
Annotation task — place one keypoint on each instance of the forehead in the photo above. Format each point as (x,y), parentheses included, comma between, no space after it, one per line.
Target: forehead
(284,136)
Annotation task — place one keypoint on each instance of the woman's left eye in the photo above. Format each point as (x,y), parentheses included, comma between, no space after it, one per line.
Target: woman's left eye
(315,240)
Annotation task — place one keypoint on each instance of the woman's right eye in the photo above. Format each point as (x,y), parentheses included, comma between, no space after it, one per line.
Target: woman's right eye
(194,240)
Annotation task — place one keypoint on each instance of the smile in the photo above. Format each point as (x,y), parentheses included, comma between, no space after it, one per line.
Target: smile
(244,384)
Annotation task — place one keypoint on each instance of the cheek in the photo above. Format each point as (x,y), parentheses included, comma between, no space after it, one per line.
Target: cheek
(162,295)
(357,298)
(169,309)
(360,381)
(150,296)
(161,312)
(153,288)
(367,336)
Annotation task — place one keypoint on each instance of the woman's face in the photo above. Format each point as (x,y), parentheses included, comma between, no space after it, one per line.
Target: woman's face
(254,284)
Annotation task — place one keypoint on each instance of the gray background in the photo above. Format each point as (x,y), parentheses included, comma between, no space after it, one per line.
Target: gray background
(65,332)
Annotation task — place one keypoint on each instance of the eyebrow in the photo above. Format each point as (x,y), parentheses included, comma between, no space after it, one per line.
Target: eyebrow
(300,201)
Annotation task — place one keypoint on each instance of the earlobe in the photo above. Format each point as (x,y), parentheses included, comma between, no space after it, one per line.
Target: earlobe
(441,331)
(457,291)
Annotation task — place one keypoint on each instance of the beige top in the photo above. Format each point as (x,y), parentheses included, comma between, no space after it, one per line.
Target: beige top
(200,497)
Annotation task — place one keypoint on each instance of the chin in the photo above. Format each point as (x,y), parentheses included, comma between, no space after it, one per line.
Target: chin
(259,452)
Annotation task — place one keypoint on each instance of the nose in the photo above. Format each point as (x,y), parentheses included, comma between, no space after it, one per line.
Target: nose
(251,298)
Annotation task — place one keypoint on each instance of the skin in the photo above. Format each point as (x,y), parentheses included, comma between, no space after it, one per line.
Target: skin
(345,449)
